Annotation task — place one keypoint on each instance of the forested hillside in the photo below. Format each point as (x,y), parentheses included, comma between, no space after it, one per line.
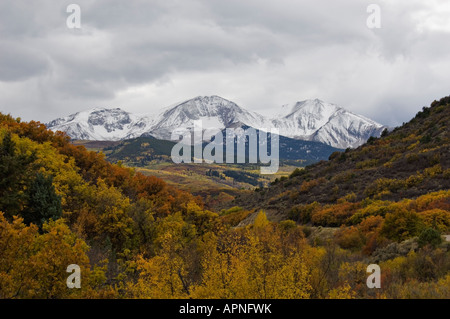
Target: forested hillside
(136,237)
(410,161)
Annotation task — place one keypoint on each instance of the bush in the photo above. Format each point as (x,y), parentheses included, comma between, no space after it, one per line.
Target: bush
(302,213)
(447,173)
(334,155)
(308,185)
(297,172)
(334,215)
(433,171)
(350,238)
(287,225)
(401,225)
(367,164)
(430,236)
(371,140)
(438,219)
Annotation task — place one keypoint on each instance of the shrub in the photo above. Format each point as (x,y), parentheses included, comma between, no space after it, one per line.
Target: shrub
(308,185)
(287,225)
(447,173)
(334,155)
(436,218)
(433,171)
(371,140)
(367,164)
(302,213)
(371,224)
(334,215)
(384,184)
(350,238)
(401,225)
(414,180)
(350,197)
(297,172)
(430,236)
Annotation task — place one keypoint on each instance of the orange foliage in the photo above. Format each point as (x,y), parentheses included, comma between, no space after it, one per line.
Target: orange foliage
(334,215)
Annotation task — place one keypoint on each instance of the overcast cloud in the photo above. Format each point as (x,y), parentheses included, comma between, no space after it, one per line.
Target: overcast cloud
(142,56)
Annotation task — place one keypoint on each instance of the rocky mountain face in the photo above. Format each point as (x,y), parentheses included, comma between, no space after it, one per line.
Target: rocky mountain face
(315,120)
(101,124)
(214,112)
(310,120)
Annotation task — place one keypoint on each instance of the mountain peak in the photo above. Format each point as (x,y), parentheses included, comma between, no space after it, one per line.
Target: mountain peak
(101,124)
(308,106)
(214,112)
(316,120)
(209,97)
(311,120)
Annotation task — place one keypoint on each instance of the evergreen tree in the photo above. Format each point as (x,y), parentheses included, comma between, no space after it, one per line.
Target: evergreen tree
(43,202)
(15,174)
(430,236)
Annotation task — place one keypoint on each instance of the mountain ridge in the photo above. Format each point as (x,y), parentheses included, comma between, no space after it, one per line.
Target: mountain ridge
(309,120)
(410,161)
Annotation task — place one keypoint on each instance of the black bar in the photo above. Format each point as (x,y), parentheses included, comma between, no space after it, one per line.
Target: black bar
(198,308)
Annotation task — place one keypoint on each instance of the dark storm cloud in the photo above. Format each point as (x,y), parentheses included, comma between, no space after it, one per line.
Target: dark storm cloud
(143,55)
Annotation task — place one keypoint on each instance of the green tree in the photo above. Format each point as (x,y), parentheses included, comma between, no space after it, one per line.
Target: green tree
(43,203)
(430,236)
(15,175)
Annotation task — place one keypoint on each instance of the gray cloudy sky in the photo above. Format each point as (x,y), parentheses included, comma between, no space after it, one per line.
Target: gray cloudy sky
(145,55)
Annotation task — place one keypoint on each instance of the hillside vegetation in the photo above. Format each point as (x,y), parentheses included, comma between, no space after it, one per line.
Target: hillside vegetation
(135,236)
(411,161)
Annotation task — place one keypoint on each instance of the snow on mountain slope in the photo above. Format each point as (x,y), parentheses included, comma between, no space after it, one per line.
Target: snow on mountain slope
(305,118)
(315,120)
(345,129)
(102,124)
(213,111)
(311,120)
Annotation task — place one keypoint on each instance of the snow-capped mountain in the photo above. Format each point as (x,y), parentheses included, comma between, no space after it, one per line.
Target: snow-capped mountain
(213,111)
(316,120)
(102,124)
(311,120)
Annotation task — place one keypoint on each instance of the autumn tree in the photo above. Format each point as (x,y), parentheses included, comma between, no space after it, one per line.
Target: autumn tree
(401,225)
(33,265)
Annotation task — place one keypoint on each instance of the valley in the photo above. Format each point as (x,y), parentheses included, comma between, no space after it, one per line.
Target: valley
(217,184)
(227,155)
(140,226)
